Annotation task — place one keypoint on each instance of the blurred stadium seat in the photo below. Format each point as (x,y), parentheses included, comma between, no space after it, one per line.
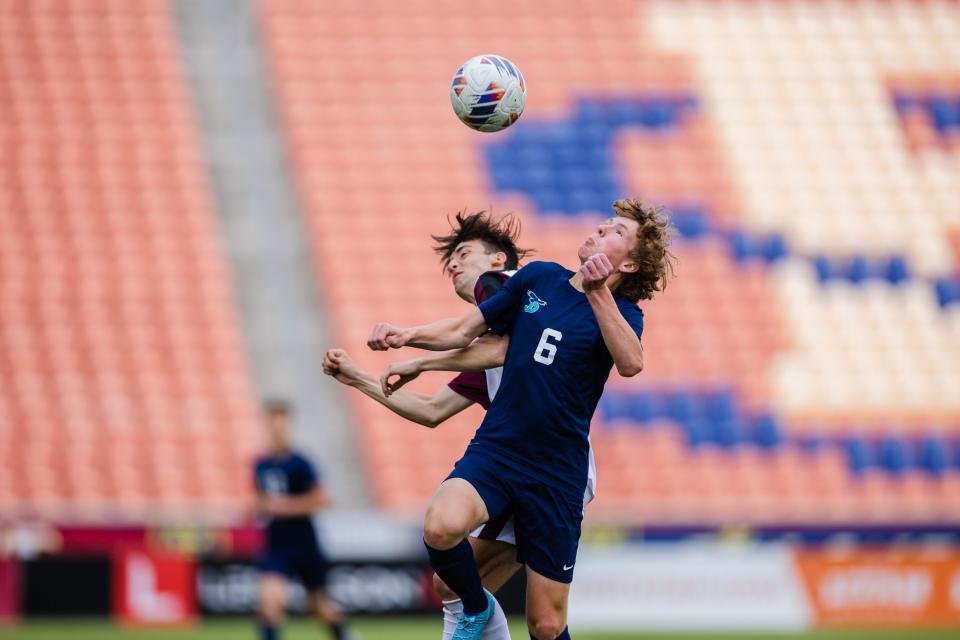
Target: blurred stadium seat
(126,395)
(805,366)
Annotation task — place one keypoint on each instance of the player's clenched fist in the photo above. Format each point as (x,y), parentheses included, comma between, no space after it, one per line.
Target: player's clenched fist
(387,336)
(338,364)
(405,371)
(595,270)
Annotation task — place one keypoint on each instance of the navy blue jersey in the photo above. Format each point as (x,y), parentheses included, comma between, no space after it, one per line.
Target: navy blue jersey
(287,475)
(553,374)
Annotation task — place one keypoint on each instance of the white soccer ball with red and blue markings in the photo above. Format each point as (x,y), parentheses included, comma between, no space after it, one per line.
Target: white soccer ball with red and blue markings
(488,93)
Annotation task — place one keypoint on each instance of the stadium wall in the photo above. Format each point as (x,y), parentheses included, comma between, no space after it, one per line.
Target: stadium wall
(655,580)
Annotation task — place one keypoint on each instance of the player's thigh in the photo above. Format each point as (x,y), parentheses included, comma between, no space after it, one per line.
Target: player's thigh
(456,505)
(546,605)
(272,592)
(496,561)
(475,489)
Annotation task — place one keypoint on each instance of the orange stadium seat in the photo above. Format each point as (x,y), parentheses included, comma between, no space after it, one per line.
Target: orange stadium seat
(119,347)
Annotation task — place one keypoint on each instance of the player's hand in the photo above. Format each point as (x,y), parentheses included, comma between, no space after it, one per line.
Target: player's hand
(404,371)
(252,511)
(387,336)
(595,271)
(341,366)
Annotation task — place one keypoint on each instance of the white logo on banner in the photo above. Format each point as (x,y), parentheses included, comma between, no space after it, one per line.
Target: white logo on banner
(955,590)
(872,587)
(146,600)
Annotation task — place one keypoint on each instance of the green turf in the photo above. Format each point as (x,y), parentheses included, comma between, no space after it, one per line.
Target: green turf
(388,629)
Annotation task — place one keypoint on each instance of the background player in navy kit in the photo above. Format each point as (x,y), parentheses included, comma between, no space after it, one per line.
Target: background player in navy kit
(567,330)
(478,255)
(288,493)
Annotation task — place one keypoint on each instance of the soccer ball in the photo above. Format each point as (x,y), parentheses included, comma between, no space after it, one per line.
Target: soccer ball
(488,93)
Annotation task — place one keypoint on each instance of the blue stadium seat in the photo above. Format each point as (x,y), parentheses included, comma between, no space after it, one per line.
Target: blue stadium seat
(933,455)
(859,269)
(893,455)
(690,223)
(825,269)
(897,271)
(697,433)
(945,113)
(766,431)
(682,407)
(858,455)
(720,406)
(728,433)
(948,291)
(775,248)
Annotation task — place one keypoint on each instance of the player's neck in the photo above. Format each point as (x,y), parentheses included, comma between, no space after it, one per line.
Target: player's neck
(577,282)
(280,451)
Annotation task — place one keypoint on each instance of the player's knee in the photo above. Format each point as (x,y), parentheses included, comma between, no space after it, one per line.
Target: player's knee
(442,589)
(545,627)
(442,532)
(271,610)
(271,603)
(327,610)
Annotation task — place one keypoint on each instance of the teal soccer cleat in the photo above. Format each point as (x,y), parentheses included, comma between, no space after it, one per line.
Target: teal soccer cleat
(471,627)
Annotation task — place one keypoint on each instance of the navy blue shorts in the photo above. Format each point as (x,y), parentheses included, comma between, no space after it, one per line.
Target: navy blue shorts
(309,566)
(546,518)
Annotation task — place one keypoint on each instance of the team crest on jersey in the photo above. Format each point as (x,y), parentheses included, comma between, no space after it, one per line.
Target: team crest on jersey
(534,303)
(274,481)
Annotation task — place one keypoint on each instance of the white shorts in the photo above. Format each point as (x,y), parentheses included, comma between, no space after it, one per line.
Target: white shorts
(501,531)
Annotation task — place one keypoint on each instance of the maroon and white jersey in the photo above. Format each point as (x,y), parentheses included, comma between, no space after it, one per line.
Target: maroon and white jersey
(481,386)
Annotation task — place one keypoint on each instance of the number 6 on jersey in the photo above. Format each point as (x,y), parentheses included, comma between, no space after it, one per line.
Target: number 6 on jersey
(545,349)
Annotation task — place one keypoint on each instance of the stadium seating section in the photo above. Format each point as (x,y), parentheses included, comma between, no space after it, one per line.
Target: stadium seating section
(125,392)
(805,365)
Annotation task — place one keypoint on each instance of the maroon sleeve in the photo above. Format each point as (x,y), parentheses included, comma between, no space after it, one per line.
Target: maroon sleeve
(472,385)
(488,284)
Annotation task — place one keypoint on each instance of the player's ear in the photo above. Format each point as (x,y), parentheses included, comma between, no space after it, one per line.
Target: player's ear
(499,260)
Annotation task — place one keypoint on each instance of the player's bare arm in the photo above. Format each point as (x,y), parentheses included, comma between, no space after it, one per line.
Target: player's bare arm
(442,335)
(428,411)
(621,340)
(486,352)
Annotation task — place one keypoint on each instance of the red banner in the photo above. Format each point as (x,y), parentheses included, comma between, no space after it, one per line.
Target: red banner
(9,590)
(153,589)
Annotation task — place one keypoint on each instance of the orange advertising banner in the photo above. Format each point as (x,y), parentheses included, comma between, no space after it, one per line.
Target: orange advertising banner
(915,588)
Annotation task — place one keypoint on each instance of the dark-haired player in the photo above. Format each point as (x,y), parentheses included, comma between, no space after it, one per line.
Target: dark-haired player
(288,494)
(479,255)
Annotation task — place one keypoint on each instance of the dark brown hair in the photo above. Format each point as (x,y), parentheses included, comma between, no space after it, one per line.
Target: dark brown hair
(654,261)
(495,234)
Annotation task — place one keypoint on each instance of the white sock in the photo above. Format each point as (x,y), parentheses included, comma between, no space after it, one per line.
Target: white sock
(451,609)
(496,629)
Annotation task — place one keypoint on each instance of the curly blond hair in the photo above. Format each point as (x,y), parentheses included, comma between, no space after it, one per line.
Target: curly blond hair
(651,253)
